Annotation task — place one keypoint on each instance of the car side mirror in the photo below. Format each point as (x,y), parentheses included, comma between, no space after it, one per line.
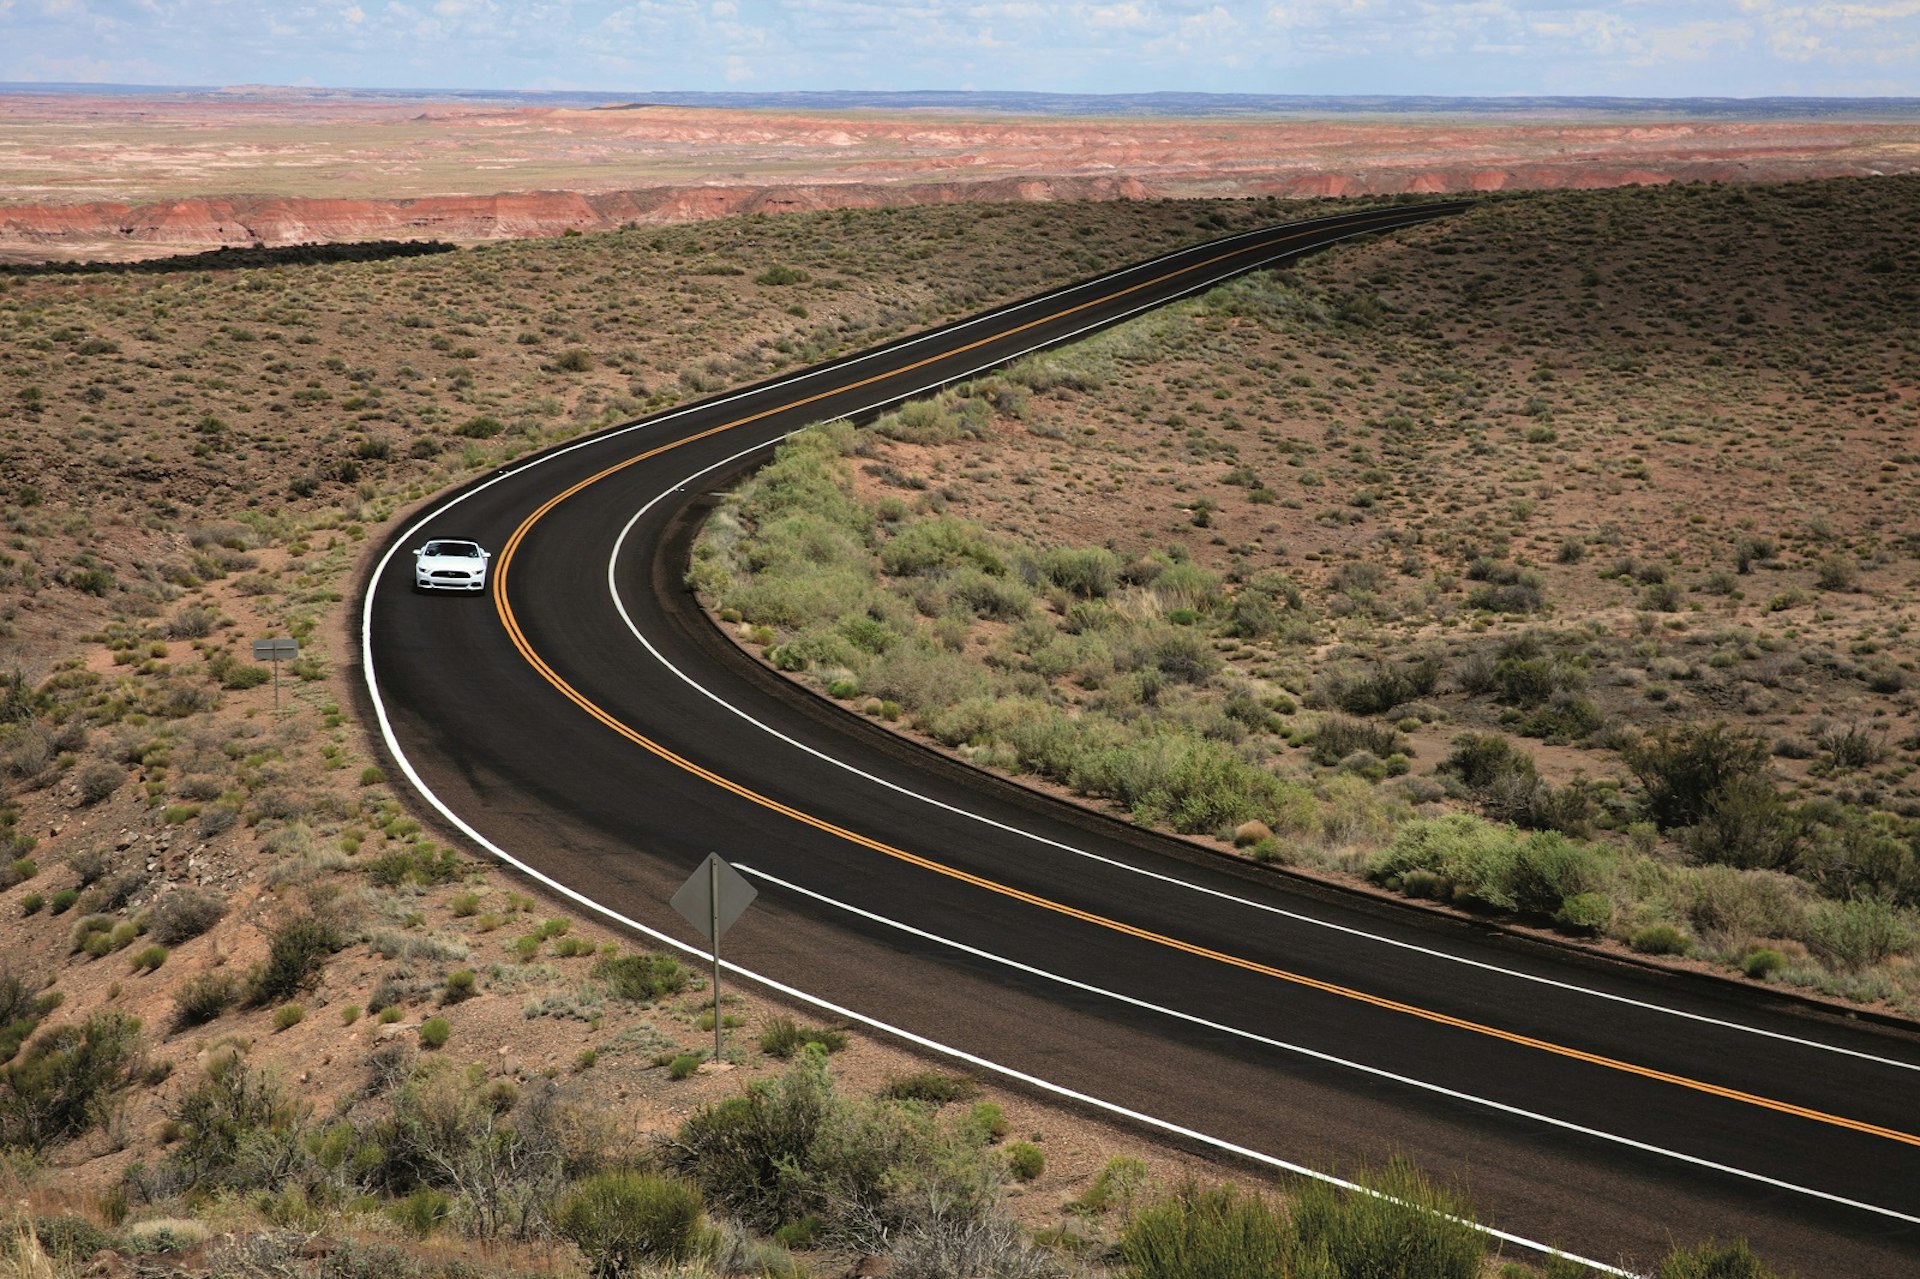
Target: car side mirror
(419,550)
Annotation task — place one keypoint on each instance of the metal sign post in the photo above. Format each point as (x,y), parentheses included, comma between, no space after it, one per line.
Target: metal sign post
(276,651)
(711,900)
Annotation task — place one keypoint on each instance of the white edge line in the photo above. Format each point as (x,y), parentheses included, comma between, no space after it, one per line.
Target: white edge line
(619,604)
(1330,1059)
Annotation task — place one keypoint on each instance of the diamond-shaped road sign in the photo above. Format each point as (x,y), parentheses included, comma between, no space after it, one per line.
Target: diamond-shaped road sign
(713,897)
(710,900)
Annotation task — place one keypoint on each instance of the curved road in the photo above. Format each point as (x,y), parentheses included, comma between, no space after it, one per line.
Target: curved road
(586,723)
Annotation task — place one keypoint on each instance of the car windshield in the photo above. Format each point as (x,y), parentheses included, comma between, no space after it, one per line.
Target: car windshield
(464,550)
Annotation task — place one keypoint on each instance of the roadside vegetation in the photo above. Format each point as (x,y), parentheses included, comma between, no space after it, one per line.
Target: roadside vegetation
(1519,564)
(256,1020)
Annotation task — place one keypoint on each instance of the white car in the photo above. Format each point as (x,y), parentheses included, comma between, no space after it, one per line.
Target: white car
(450,564)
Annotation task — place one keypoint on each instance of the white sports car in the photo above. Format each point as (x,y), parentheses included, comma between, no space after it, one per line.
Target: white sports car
(450,564)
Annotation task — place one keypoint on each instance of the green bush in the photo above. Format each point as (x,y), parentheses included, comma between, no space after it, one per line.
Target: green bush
(202,998)
(460,985)
(641,978)
(1025,1160)
(1660,939)
(1585,913)
(419,864)
(1495,866)
(18,871)
(783,1037)
(435,1031)
(623,1219)
(1378,688)
(421,1212)
(184,914)
(235,1108)
(684,1065)
(1338,737)
(1858,934)
(1207,1232)
(287,1016)
(1408,1229)
(930,1086)
(150,958)
(1763,963)
(64,1081)
(1683,770)
(296,952)
(1712,1260)
(63,900)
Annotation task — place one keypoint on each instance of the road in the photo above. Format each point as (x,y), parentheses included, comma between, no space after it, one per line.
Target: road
(585,722)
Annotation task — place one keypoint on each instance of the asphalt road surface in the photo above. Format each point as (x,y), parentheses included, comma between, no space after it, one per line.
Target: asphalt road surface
(584,721)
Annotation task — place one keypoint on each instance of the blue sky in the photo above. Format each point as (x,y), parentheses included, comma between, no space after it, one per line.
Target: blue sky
(1643,48)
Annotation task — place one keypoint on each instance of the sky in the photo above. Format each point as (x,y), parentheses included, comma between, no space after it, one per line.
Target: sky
(1633,48)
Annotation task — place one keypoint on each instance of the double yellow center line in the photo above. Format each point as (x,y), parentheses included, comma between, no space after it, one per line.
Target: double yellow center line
(518,636)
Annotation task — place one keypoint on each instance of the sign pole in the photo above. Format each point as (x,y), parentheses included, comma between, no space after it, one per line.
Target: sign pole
(711,900)
(276,651)
(713,893)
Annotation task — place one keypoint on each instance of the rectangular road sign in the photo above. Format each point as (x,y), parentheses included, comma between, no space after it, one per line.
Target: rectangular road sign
(275,650)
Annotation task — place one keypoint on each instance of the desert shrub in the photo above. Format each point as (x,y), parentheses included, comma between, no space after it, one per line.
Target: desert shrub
(1338,737)
(150,958)
(1712,1260)
(434,1032)
(17,871)
(193,621)
(63,1082)
(1501,779)
(1263,605)
(1494,866)
(1683,769)
(460,985)
(1203,1232)
(98,781)
(67,1238)
(1588,912)
(416,864)
(1746,823)
(622,1219)
(236,1110)
(1858,934)
(1660,939)
(1378,688)
(1025,1160)
(1762,963)
(1085,572)
(296,952)
(783,1037)
(201,998)
(789,1149)
(1750,550)
(184,914)
(932,545)
(1506,588)
(642,978)
(1194,784)
(1849,854)
(930,1086)
(1409,1229)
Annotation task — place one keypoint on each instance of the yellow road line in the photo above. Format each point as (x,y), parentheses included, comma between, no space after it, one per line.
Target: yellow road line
(546,672)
